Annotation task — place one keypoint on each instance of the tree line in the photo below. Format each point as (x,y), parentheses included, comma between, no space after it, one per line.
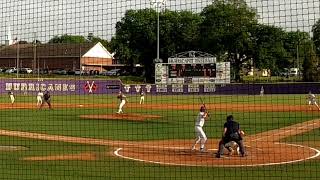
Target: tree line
(229,29)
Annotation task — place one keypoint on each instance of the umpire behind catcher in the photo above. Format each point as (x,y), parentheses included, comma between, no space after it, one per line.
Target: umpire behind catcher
(231,133)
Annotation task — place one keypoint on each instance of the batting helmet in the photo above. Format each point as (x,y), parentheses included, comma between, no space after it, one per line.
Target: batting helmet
(202,109)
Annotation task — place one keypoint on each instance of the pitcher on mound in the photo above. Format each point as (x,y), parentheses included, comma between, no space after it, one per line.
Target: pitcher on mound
(123,100)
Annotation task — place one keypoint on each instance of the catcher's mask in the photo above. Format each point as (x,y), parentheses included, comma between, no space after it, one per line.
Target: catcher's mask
(230,118)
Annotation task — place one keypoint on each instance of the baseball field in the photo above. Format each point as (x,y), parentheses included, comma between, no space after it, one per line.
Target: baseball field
(83,138)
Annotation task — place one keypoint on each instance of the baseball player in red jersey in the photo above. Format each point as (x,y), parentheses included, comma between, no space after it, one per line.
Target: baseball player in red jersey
(123,100)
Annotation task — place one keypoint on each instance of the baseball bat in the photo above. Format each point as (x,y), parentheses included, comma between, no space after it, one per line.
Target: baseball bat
(204,105)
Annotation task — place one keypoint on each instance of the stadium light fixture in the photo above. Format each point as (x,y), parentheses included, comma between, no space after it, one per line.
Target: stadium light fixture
(158,4)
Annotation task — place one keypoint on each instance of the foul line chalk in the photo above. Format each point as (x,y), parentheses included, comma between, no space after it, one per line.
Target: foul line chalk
(117,153)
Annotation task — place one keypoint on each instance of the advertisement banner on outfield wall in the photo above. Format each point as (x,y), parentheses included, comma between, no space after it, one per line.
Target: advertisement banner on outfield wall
(61,87)
(82,87)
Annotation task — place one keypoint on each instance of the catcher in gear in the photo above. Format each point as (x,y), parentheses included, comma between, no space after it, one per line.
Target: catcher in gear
(233,147)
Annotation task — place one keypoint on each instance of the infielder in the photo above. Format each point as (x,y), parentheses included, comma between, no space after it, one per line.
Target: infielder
(47,99)
(141,97)
(200,135)
(12,98)
(312,100)
(123,100)
(39,98)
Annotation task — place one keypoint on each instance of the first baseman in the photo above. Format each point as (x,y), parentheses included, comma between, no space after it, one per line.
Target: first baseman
(200,135)
(12,98)
(312,100)
(123,100)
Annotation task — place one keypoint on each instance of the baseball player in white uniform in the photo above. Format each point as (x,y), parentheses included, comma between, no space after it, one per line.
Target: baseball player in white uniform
(312,100)
(12,98)
(200,135)
(123,100)
(141,97)
(39,98)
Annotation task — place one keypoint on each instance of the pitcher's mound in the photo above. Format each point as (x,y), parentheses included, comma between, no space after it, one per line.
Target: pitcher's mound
(125,116)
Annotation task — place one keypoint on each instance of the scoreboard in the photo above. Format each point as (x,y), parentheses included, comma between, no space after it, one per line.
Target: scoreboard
(192,71)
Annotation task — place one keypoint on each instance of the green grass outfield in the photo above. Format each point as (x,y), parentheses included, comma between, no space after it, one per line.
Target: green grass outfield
(291,99)
(174,124)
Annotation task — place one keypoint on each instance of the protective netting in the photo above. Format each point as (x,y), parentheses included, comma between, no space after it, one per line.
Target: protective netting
(94,89)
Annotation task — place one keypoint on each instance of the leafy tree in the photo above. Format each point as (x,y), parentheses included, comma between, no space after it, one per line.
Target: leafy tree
(226,29)
(68,39)
(310,64)
(294,45)
(79,39)
(136,36)
(316,36)
(180,32)
(269,52)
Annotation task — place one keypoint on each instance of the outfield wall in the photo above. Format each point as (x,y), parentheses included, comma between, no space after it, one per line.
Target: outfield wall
(81,87)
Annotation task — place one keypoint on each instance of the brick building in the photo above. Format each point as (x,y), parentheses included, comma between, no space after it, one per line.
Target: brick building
(86,56)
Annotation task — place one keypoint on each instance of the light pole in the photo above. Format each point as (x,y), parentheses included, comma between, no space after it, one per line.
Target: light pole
(18,57)
(298,63)
(158,4)
(35,55)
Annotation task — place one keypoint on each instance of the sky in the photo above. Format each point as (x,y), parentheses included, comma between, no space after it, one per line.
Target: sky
(43,19)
